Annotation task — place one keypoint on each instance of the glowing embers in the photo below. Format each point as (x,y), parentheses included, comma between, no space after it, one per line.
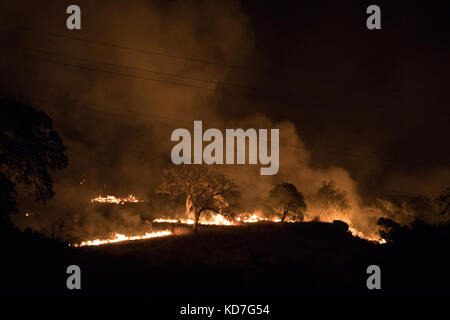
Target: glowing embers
(256,218)
(361,235)
(220,220)
(116,200)
(121,237)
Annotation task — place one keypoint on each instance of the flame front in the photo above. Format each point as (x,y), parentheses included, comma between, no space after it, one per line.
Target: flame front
(361,235)
(116,200)
(118,237)
(220,220)
(216,219)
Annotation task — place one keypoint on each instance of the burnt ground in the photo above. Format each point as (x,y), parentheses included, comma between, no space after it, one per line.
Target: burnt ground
(257,261)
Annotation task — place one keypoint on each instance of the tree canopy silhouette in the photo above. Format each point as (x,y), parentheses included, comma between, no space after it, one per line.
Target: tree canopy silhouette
(203,188)
(443,201)
(29,149)
(405,208)
(284,199)
(328,198)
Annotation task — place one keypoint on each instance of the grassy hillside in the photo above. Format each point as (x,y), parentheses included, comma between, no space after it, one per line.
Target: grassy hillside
(282,261)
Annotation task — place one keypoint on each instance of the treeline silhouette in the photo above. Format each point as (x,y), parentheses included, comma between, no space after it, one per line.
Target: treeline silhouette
(418,234)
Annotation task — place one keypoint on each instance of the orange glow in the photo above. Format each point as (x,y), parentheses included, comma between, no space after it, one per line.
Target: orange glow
(218,220)
(256,217)
(361,235)
(116,200)
(121,237)
(215,219)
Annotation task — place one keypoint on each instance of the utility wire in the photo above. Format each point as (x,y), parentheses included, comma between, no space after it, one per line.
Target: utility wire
(176,122)
(263,93)
(233,167)
(168,55)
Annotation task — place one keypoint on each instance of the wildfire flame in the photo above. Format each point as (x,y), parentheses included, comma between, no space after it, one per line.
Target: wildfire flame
(116,200)
(254,218)
(361,235)
(257,218)
(220,220)
(118,237)
(216,219)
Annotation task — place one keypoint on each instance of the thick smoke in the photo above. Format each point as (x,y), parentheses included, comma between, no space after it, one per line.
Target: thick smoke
(117,122)
(117,128)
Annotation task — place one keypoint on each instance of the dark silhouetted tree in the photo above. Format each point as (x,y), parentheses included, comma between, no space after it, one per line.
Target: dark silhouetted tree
(443,201)
(203,188)
(405,208)
(7,200)
(392,231)
(416,235)
(329,198)
(284,199)
(29,149)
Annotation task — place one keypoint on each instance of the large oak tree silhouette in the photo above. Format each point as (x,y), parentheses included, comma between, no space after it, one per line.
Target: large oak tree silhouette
(29,149)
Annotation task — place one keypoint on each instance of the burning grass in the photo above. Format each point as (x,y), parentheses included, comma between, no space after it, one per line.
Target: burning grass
(219,220)
(116,200)
(121,237)
(182,226)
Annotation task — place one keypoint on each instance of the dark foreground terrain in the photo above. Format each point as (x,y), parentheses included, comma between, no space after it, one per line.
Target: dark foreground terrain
(260,261)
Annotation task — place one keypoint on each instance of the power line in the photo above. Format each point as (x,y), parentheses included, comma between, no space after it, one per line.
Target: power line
(168,74)
(180,57)
(130,67)
(176,122)
(145,51)
(233,167)
(342,104)
(127,75)
(329,151)
(161,156)
(158,53)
